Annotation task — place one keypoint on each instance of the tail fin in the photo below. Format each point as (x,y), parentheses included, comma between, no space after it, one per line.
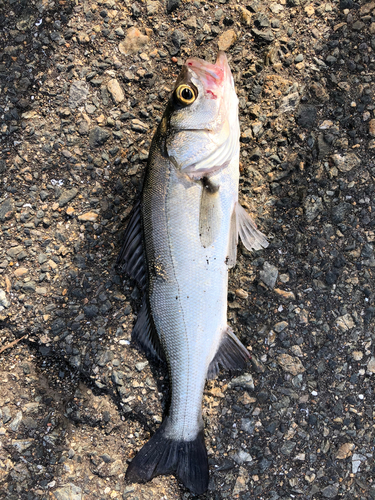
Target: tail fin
(162,455)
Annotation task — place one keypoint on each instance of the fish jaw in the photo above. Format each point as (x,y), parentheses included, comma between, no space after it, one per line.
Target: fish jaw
(214,77)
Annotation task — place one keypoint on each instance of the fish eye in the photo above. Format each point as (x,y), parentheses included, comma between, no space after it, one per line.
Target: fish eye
(185,95)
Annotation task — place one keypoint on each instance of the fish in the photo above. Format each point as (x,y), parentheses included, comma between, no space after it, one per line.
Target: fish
(179,244)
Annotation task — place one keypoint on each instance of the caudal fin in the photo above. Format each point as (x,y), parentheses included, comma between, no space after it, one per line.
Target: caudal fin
(187,460)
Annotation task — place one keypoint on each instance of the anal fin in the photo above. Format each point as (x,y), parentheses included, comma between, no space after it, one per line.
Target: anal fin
(231,355)
(144,333)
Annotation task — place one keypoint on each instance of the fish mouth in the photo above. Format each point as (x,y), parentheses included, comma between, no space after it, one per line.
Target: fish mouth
(212,76)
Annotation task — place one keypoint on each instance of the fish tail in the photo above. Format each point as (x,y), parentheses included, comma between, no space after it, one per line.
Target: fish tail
(162,455)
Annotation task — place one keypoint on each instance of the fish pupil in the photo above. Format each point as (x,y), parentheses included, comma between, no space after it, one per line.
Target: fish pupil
(187,94)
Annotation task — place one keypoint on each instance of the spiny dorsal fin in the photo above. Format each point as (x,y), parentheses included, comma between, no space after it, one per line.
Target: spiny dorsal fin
(131,259)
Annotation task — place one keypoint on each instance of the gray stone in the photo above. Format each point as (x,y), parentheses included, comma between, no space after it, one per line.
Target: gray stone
(357,459)
(141,365)
(244,381)
(6,414)
(98,136)
(91,310)
(289,103)
(247,425)
(13,426)
(79,91)
(313,206)
(42,258)
(330,491)
(67,196)
(30,286)
(75,361)
(358,26)
(6,209)
(324,147)
(105,357)
(288,447)
(269,275)
(172,5)
(68,492)
(339,212)
(242,456)
(4,302)
(263,36)
(83,127)
(117,377)
(128,490)
(21,444)
(14,251)
(367,251)
(306,116)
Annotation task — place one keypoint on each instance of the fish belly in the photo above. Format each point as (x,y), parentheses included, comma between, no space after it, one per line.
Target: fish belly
(188,290)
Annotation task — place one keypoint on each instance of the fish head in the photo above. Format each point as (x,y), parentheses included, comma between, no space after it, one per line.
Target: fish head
(203,115)
(202,95)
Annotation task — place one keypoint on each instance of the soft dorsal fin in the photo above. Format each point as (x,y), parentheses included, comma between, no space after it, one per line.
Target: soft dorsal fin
(231,355)
(244,226)
(144,333)
(131,259)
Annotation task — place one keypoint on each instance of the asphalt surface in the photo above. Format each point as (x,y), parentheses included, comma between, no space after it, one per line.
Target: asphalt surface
(83,86)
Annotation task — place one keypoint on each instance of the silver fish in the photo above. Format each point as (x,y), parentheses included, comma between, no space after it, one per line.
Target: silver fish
(179,244)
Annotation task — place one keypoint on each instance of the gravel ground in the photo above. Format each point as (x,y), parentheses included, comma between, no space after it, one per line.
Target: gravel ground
(82,88)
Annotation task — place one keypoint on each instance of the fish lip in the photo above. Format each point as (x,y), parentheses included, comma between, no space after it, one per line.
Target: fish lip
(210,74)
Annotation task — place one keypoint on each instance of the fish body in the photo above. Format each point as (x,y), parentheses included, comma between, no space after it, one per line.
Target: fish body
(179,245)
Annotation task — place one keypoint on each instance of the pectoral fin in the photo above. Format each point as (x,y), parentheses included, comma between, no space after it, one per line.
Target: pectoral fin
(250,236)
(242,224)
(209,213)
(233,240)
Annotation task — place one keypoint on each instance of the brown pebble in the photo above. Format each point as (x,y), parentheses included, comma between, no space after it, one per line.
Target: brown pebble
(21,271)
(371,127)
(227,39)
(242,294)
(89,216)
(285,295)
